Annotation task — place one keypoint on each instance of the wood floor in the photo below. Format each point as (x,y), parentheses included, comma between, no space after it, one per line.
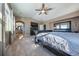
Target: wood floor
(26,47)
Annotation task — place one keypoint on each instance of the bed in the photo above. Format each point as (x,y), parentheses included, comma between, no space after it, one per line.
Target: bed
(62,41)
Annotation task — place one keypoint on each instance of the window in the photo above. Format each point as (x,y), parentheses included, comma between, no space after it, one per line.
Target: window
(57,26)
(63,26)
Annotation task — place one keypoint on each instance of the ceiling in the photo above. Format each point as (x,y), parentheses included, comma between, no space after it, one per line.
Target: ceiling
(28,10)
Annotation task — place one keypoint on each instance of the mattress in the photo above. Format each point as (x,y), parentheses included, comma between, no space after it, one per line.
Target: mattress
(70,41)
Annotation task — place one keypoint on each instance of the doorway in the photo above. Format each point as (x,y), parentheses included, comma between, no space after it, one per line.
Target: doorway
(20,29)
(44,27)
(33,28)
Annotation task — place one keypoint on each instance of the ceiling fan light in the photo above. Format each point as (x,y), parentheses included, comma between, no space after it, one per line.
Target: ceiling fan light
(42,11)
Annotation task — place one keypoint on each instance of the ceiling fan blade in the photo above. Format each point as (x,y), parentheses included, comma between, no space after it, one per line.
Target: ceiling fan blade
(40,13)
(49,9)
(45,13)
(43,5)
(38,9)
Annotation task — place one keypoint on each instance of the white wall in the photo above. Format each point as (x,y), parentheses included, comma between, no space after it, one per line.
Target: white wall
(41,27)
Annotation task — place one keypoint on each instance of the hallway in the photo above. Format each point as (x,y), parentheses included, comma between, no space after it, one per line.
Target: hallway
(26,47)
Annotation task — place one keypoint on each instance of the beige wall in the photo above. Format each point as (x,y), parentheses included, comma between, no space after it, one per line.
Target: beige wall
(75,24)
(49,25)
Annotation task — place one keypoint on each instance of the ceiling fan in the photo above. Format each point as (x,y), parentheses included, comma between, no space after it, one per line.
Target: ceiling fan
(43,9)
